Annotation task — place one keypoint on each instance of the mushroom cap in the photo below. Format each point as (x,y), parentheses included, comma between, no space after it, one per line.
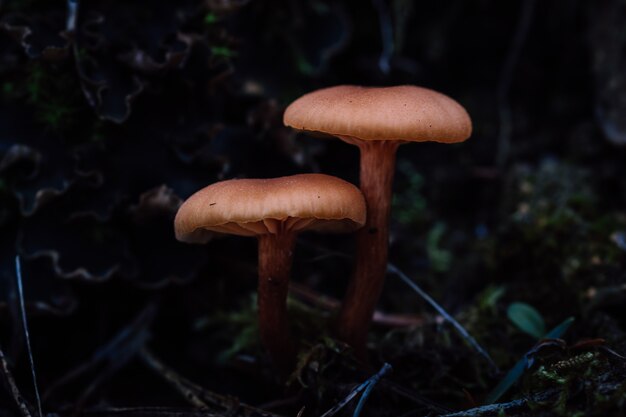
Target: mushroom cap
(251,207)
(405,113)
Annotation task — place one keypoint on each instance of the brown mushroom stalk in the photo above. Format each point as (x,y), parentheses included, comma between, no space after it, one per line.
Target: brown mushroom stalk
(366,285)
(275,258)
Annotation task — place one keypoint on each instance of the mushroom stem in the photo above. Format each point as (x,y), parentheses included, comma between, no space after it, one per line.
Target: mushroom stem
(377,171)
(275,258)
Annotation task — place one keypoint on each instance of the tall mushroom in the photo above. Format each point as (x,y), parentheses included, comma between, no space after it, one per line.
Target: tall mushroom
(275,211)
(377,120)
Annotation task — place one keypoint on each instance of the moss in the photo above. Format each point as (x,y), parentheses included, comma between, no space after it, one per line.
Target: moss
(553,228)
(210,19)
(440,259)
(409,205)
(223,52)
(55,96)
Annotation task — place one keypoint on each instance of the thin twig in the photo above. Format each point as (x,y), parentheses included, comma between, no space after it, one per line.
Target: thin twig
(20,291)
(175,380)
(195,394)
(113,355)
(15,392)
(464,333)
(521,406)
(383,371)
(331,304)
(370,387)
(149,412)
(413,397)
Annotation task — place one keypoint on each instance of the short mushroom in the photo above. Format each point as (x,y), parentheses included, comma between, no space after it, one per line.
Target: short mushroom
(275,211)
(377,120)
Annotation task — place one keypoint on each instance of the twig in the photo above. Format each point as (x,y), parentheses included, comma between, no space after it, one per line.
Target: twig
(520,405)
(370,386)
(114,354)
(183,386)
(464,333)
(198,396)
(384,370)
(331,304)
(15,392)
(149,412)
(20,291)
(409,395)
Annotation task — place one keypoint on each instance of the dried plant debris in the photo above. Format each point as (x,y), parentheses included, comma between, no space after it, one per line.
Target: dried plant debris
(135,245)
(80,245)
(108,359)
(153,242)
(117,50)
(36,165)
(98,186)
(117,45)
(41,35)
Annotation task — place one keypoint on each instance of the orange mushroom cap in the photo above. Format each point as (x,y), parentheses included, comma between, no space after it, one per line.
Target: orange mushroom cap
(251,207)
(405,113)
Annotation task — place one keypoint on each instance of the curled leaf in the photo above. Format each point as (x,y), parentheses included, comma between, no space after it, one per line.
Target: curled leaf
(41,36)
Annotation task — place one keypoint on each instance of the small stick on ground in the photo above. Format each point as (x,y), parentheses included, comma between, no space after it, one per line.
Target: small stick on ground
(20,291)
(10,381)
(331,304)
(464,333)
(198,396)
(362,387)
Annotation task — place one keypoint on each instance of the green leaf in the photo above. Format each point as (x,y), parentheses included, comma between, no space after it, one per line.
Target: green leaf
(518,370)
(527,319)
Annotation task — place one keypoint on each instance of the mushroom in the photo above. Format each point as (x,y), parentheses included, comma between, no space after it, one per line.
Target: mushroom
(275,211)
(377,120)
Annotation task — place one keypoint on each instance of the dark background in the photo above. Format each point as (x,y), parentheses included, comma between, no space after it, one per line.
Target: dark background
(112,113)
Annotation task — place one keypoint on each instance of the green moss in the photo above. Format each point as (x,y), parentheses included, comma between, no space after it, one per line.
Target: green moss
(210,19)
(223,51)
(440,259)
(409,205)
(553,223)
(55,96)
(8,88)
(237,330)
